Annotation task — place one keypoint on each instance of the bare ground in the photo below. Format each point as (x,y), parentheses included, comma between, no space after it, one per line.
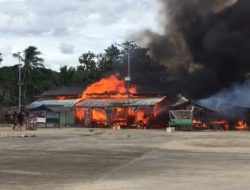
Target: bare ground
(78,159)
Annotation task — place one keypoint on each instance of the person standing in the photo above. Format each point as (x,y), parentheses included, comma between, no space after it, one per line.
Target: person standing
(20,119)
(14,120)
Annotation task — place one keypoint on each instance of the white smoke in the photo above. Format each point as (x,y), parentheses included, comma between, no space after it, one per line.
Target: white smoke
(232,102)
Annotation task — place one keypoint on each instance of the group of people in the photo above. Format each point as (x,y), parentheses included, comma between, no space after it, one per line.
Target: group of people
(18,120)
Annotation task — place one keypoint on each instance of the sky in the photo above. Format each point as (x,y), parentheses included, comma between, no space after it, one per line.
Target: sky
(62,30)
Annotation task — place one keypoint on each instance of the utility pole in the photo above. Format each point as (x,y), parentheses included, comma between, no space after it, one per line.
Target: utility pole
(19,82)
(127,47)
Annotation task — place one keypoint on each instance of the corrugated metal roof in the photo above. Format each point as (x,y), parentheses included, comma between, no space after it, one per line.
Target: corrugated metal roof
(95,103)
(55,103)
(58,108)
(116,102)
(146,101)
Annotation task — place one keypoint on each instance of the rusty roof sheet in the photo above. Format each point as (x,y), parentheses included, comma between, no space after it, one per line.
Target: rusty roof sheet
(95,103)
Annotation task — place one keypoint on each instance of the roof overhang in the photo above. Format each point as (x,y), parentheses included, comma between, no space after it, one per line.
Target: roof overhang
(62,104)
(132,102)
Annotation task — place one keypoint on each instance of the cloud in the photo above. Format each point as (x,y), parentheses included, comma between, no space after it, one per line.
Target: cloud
(67,48)
(88,24)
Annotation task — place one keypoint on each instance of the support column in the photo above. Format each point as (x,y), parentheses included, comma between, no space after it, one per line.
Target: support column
(109,116)
(86,118)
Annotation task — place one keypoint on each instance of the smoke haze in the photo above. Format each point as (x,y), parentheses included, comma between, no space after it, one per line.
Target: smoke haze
(233,102)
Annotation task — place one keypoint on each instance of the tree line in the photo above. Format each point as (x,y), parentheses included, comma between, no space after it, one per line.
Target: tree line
(37,79)
(91,67)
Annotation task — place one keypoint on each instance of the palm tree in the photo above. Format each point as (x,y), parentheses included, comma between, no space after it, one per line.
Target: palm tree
(31,60)
(66,75)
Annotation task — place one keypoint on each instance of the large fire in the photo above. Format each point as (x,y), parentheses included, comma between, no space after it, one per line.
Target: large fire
(109,87)
(137,118)
(112,87)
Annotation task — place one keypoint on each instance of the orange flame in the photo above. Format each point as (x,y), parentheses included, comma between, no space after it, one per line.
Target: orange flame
(131,112)
(199,124)
(140,115)
(241,126)
(143,116)
(221,123)
(99,115)
(110,86)
(79,115)
(120,116)
(120,112)
(134,116)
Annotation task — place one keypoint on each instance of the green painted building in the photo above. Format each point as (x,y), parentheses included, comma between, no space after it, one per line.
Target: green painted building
(55,112)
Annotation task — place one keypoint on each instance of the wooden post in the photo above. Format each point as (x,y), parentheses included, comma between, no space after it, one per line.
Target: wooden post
(86,119)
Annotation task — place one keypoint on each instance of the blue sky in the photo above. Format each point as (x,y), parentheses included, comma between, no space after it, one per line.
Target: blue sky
(63,30)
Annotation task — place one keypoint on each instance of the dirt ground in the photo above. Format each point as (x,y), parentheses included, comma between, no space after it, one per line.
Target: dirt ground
(80,159)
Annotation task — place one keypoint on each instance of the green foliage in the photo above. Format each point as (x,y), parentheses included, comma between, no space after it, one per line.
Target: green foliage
(107,60)
(92,67)
(89,67)
(42,79)
(31,60)
(66,75)
(87,60)
(8,85)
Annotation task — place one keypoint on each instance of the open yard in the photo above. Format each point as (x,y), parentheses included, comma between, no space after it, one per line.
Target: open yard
(79,159)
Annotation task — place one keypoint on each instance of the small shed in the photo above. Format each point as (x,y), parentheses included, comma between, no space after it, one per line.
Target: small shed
(60,112)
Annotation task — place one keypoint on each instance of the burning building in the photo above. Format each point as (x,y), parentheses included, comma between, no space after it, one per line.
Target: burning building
(109,103)
(195,115)
(106,103)
(202,49)
(102,112)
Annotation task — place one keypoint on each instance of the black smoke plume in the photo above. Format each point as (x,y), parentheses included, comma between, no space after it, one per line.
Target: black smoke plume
(146,73)
(205,46)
